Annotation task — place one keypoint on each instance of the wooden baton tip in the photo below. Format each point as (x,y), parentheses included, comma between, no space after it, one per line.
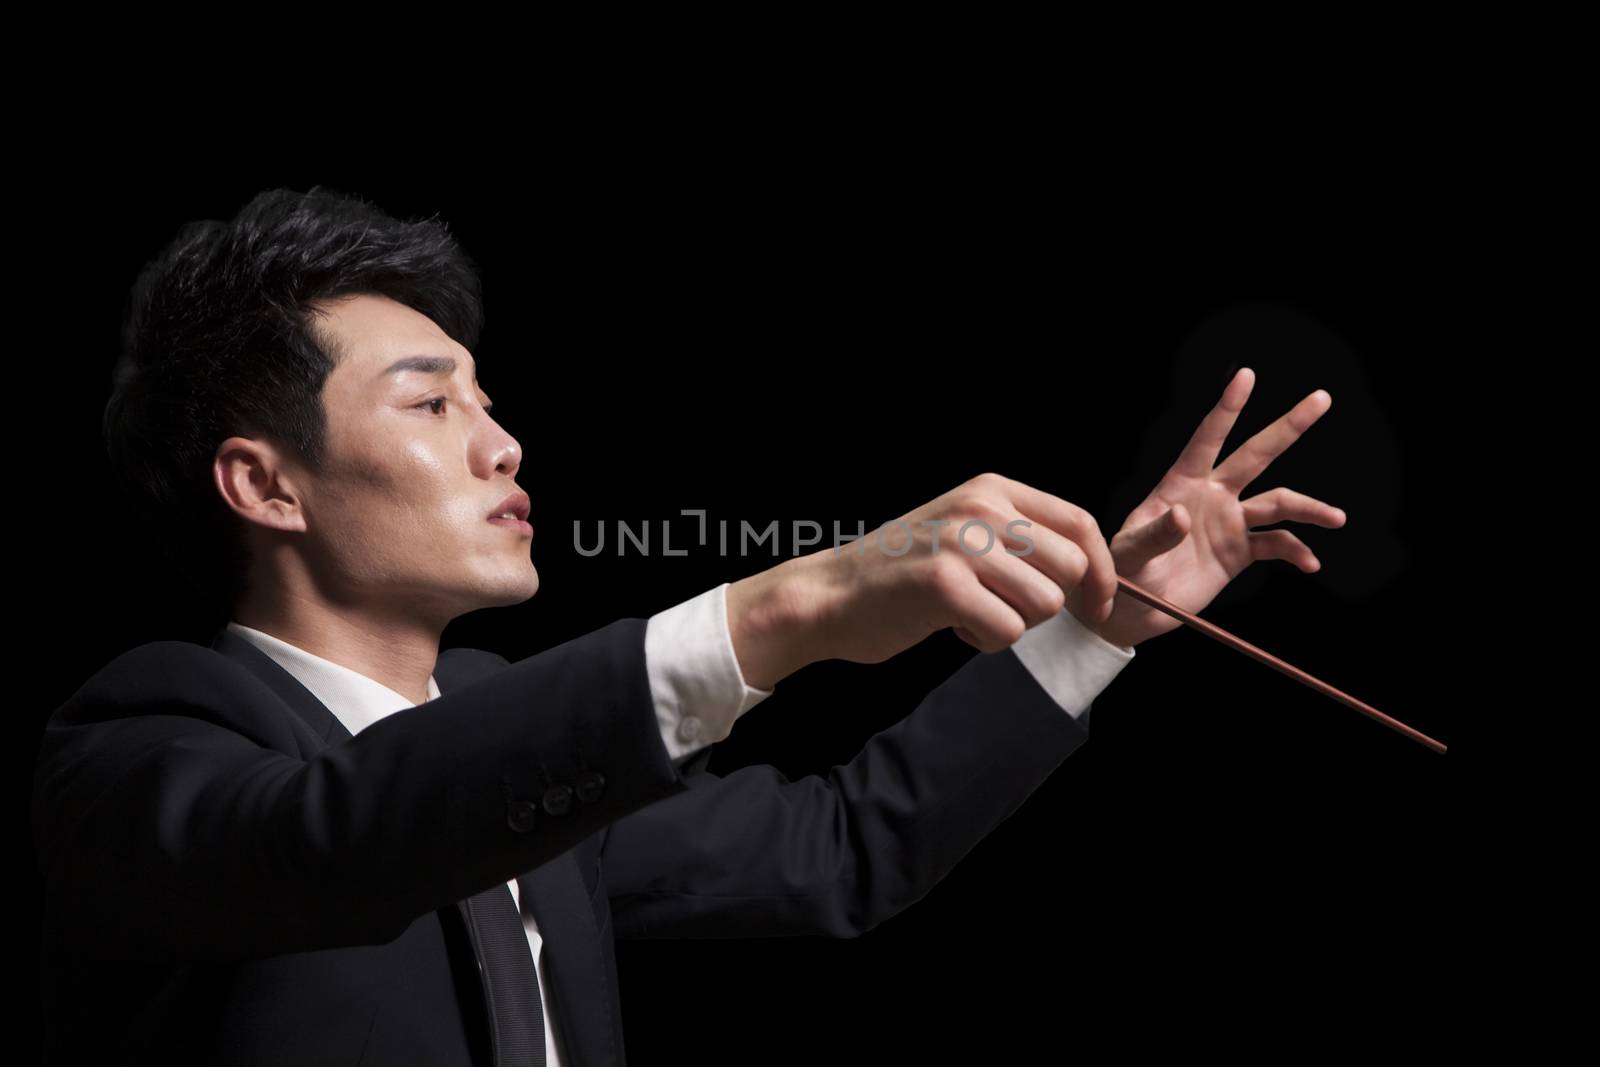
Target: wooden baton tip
(1214,631)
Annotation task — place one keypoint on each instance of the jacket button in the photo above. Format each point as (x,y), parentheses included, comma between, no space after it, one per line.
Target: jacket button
(558,798)
(590,785)
(521,815)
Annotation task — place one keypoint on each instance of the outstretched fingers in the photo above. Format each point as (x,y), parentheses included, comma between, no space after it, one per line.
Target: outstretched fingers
(1281,544)
(1200,454)
(1286,505)
(1251,458)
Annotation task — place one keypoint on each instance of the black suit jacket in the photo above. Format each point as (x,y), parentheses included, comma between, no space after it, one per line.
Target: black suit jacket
(231,878)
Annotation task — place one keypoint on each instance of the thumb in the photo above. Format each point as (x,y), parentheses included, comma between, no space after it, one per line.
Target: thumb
(1161,534)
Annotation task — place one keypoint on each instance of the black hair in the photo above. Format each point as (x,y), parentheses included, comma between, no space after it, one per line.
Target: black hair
(219,339)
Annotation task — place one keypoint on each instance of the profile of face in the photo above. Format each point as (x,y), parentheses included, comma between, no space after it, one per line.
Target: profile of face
(402,517)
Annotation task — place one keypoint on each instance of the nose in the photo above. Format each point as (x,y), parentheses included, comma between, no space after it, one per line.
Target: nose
(510,458)
(504,452)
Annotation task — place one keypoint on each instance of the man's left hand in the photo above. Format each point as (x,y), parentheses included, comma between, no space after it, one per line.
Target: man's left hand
(1191,536)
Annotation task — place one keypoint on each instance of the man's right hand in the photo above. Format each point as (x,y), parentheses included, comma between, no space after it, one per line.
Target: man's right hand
(871,599)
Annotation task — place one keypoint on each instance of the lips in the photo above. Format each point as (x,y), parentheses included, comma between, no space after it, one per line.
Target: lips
(515,504)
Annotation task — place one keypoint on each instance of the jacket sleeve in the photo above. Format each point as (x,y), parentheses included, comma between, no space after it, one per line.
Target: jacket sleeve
(171,819)
(752,854)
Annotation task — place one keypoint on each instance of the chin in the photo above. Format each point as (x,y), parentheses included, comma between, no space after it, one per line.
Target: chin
(515,592)
(499,588)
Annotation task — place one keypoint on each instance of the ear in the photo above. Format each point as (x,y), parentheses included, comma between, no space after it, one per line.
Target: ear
(256,480)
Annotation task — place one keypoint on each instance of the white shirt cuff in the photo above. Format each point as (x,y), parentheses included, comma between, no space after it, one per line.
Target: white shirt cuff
(1070,661)
(694,675)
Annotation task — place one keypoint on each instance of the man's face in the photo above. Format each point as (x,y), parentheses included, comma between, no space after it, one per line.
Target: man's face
(415,468)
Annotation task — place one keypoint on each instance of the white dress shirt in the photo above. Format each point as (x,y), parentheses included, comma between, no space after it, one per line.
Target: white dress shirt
(699,692)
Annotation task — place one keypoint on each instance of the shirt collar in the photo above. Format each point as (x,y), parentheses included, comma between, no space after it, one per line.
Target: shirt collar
(355,700)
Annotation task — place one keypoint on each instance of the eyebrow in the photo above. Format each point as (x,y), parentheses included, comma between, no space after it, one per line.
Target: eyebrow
(439,365)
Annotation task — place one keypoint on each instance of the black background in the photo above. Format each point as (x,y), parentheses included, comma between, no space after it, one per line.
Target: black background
(833,325)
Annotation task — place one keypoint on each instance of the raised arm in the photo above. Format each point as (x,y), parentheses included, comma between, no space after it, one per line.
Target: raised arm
(183,814)
(753,854)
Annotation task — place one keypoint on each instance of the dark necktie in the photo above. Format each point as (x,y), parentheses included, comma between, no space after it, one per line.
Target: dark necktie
(511,984)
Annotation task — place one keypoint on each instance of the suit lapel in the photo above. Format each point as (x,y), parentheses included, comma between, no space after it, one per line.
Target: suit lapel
(313,712)
(555,892)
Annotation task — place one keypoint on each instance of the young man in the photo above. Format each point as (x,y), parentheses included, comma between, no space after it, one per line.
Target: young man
(322,839)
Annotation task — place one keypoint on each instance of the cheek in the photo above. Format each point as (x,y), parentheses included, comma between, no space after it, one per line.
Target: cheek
(397,506)
(380,520)
(368,536)
(395,544)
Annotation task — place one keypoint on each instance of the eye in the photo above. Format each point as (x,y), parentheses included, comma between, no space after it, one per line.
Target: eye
(435,400)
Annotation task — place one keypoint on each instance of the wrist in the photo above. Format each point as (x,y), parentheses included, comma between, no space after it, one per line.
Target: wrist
(1121,640)
(1108,630)
(767,629)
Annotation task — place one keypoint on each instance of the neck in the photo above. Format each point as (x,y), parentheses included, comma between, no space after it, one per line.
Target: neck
(395,650)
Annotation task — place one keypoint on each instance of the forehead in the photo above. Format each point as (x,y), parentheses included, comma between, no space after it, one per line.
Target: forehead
(369,333)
